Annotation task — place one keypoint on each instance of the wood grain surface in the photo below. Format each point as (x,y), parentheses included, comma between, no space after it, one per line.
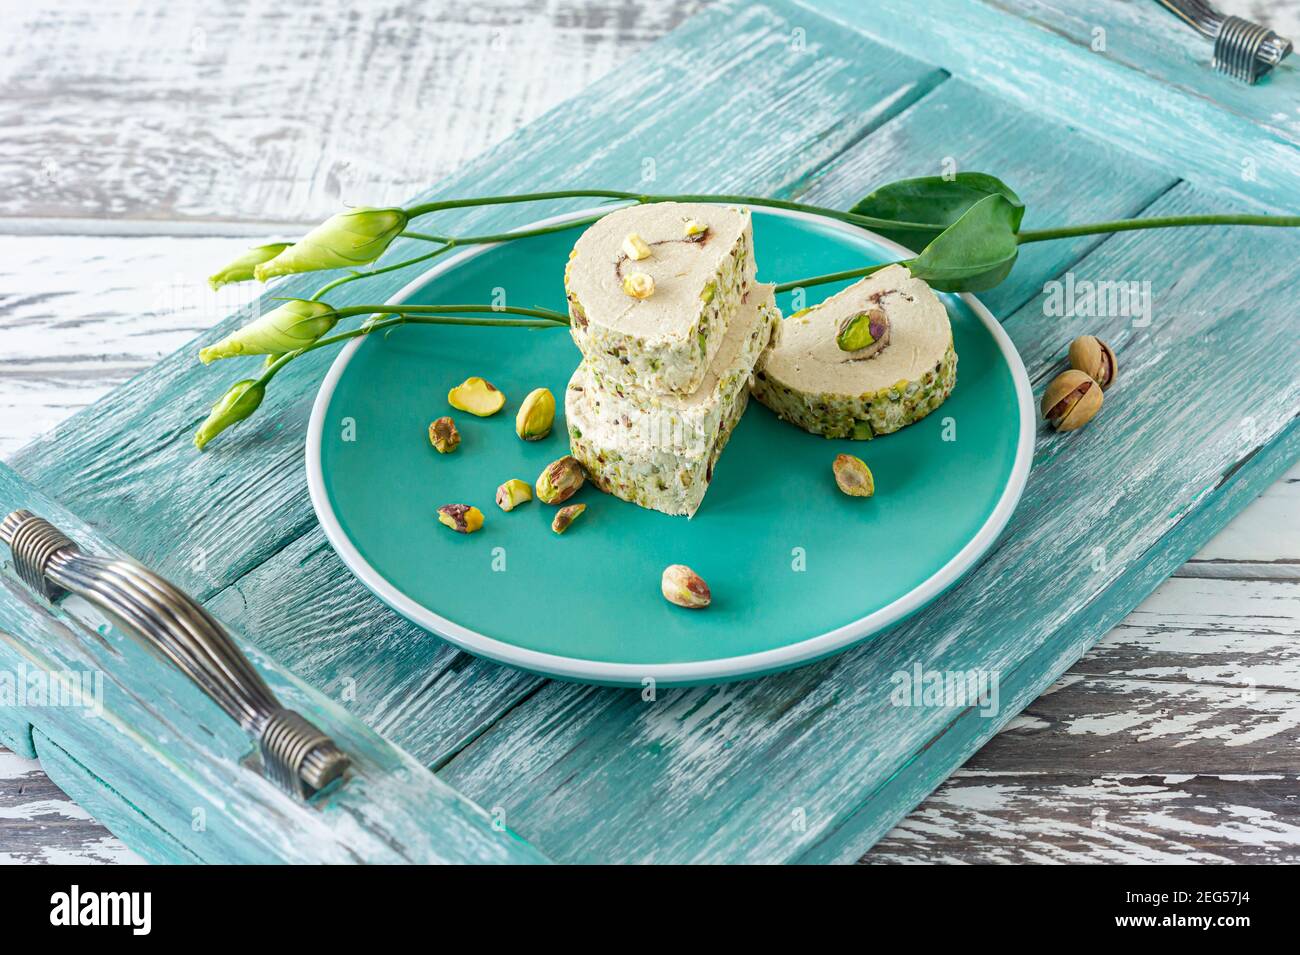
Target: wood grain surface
(1172,739)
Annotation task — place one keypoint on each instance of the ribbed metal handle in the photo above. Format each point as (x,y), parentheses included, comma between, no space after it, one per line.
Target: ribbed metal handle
(1242,49)
(297,756)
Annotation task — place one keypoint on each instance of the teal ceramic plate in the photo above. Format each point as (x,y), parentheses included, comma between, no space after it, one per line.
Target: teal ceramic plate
(798,570)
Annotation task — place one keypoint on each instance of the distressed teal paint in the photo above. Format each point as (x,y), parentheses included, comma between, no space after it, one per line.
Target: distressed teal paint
(1058,170)
(594,774)
(1150,91)
(719,773)
(150,841)
(172,755)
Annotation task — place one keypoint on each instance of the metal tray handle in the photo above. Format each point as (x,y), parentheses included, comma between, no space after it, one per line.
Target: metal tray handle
(297,756)
(1242,49)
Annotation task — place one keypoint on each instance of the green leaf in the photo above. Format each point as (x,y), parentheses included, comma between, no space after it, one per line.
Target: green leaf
(933,200)
(974,253)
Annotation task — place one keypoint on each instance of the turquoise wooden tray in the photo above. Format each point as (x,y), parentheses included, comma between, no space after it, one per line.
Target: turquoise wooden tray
(458,758)
(798,570)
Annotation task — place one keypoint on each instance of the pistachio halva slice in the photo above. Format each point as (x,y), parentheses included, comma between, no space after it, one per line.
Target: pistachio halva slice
(657,320)
(660,451)
(811,381)
(684,423)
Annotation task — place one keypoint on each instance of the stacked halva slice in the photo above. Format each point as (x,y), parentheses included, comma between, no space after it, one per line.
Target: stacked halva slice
(671,324)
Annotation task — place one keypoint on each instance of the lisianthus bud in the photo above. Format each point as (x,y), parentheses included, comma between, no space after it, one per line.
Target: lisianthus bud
(241,270)
(234,406)
(344,240)
(295,324)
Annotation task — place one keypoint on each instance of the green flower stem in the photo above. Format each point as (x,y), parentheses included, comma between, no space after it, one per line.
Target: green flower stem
(1096,228)
(423,315)
(867,222)
(834,277)
(353,276)
(1156,222)
(448,243)
(504,236)
(550,317)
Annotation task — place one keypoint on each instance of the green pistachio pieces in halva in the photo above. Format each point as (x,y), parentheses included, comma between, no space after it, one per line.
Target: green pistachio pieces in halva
(864,335)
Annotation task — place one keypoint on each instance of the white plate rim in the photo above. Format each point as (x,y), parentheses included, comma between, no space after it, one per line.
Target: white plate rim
(701,671)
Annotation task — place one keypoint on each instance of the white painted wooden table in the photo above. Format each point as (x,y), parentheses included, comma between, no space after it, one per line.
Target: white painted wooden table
(145,143)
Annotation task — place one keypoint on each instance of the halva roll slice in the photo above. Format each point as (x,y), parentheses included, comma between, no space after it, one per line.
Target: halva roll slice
(902,367)
(687,423)
(661,479)
(652,289)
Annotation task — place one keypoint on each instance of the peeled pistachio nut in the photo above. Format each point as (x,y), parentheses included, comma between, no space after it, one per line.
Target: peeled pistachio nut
(638,285)
(477,396)
(865,334)
(560,480)
(682,586)
(566,516)
(693,228)
(444,436)
(513,493)
(536,415)
(1093,357)
(461,518)
(634,247)
(853,476)
(1071,400)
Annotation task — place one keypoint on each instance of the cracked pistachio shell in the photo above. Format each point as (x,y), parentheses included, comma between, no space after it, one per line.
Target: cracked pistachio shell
(536,415)
(1071,400)
(476,396)
(1094,358)
(684,587)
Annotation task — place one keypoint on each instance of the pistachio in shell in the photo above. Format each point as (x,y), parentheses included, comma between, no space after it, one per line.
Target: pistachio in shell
(1071,400)
(1094,358)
